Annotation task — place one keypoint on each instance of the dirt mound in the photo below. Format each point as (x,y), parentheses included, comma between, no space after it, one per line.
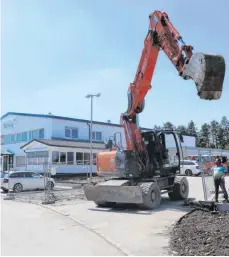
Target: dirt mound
(201,233)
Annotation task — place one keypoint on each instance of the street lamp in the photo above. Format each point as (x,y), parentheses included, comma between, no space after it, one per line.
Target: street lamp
(91,155)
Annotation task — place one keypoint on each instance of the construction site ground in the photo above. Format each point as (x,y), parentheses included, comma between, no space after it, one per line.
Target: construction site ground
(74,226)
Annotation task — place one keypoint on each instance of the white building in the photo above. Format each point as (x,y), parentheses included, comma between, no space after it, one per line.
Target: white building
(30,140)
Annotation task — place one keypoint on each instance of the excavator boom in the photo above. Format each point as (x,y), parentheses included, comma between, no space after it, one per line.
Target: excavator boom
(144,170)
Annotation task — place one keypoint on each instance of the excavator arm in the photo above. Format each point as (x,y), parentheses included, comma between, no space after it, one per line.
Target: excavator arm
(206,70)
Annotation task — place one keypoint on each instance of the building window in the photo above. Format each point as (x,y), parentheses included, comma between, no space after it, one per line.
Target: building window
(86,158)
(63,158)
(18,137)
(37,154)
(12,139)
(55,157)
(70,157)
(2,140)
(97,136)
(35,134)
(7,139)
(67,132)
(94,158)
(24,136)
(20,161)
(79,158)
(41,133)
(74,133)
(71,132)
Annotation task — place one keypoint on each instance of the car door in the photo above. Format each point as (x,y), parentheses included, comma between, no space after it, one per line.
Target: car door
(38,180)
(28,180)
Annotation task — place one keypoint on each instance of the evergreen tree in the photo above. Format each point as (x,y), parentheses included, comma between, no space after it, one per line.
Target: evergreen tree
(214,133)
(204,136)
(169,125)
(183,130)
(225,127)
(157,127)
(191,129)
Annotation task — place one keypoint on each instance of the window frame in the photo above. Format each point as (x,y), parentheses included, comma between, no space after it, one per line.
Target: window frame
(79,161)
(58,161)
(70,129)
(70,162)
(61,154)
(94,135)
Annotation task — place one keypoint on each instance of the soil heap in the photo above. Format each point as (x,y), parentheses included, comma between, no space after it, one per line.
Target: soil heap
(201,233)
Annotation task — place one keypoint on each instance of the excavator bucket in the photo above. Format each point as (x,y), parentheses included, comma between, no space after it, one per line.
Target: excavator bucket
(207,70)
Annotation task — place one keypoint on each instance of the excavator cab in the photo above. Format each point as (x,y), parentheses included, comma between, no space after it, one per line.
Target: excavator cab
(163,152)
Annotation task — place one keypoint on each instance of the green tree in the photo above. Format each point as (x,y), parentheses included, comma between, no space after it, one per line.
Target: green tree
(204,136)
(169,125)
(191,129)
(157,127)
(224,124)
(214,133)
(183,130)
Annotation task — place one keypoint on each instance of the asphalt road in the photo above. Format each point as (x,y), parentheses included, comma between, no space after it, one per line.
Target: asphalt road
(28,229)
(78,227)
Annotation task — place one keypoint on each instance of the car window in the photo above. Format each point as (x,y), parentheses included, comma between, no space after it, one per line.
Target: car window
(15,175)
(28,174)
(35,175)
(188,163)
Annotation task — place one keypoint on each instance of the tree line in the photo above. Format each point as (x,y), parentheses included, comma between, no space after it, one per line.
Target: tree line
(211,135)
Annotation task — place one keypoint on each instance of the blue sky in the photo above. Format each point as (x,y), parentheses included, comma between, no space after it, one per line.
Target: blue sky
(54,52)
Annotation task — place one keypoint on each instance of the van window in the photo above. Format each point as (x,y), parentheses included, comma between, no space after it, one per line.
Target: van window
(17,175)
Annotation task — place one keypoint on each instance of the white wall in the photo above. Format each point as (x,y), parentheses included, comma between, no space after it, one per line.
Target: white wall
(58,129)
(24,124)
(188,141)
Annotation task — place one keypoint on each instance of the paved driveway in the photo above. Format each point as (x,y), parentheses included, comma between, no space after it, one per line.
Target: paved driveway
(79,228)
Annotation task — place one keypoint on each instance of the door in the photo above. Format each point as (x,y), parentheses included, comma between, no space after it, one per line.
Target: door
(5,162)
(38,180)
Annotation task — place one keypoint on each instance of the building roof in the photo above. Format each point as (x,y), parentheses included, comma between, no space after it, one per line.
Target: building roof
(60,143)
(49,116)
(6,152)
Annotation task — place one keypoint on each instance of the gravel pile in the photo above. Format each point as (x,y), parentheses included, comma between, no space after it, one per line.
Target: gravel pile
(201,233)
(58,196)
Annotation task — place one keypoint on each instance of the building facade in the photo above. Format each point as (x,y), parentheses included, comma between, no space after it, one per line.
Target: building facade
(28,141)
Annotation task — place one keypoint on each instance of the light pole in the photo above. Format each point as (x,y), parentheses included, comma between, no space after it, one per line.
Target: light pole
(91,155)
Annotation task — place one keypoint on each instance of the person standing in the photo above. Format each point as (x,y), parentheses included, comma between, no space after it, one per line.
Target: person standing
(219,172)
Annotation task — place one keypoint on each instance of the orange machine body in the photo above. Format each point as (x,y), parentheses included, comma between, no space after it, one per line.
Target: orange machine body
(105,162)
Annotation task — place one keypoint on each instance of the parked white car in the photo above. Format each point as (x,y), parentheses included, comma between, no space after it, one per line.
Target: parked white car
(189,168)
(25,180)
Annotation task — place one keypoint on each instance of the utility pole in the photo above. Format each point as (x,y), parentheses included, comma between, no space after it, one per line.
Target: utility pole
(91,131)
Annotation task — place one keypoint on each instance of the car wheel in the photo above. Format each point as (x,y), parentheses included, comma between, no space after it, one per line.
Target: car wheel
(18,188)
(188,173)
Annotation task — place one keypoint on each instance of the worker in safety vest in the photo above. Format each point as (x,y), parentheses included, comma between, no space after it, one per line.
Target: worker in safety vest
(219,172)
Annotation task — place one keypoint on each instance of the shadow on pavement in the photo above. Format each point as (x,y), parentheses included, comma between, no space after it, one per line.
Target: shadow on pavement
(166,204)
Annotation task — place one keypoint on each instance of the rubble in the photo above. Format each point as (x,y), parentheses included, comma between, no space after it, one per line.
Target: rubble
(201,233)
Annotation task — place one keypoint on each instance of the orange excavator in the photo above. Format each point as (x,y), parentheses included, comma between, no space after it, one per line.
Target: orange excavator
(143,171)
